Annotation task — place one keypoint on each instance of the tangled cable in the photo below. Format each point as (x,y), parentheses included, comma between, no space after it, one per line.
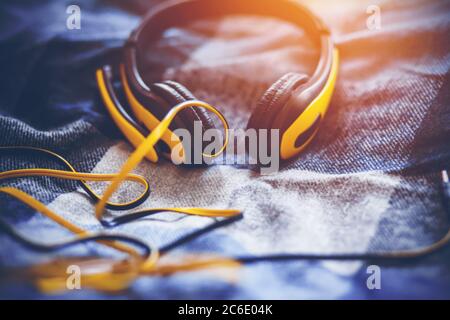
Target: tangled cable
(136,264)
(113,275)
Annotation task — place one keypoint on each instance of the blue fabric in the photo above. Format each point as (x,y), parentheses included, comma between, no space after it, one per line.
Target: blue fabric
(390,114)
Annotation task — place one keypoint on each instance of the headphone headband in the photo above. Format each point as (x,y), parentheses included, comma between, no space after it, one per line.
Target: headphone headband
(177,12)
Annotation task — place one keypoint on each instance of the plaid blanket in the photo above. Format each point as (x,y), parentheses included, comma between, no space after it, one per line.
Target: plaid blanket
(370,180)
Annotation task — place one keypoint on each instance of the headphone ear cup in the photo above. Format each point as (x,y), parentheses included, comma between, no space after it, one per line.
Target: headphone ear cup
(201,113)
(174,93)
(274,99)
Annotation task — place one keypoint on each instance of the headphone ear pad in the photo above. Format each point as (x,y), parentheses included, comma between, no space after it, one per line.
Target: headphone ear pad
(274,99)
(174,93)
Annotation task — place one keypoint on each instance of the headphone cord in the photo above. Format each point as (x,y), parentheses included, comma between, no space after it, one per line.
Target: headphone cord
(146,265)
(150,255)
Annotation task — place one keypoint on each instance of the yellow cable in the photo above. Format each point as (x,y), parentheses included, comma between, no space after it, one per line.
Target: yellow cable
(109,280)
(51,281)
(72,175)
(42,208)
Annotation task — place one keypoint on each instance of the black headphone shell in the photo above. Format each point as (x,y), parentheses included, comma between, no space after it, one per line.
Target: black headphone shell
(273,101)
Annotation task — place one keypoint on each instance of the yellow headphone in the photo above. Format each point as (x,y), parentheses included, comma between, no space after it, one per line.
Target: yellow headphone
(295,104)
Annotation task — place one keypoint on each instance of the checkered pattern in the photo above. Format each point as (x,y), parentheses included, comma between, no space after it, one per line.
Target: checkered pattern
(369,181)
